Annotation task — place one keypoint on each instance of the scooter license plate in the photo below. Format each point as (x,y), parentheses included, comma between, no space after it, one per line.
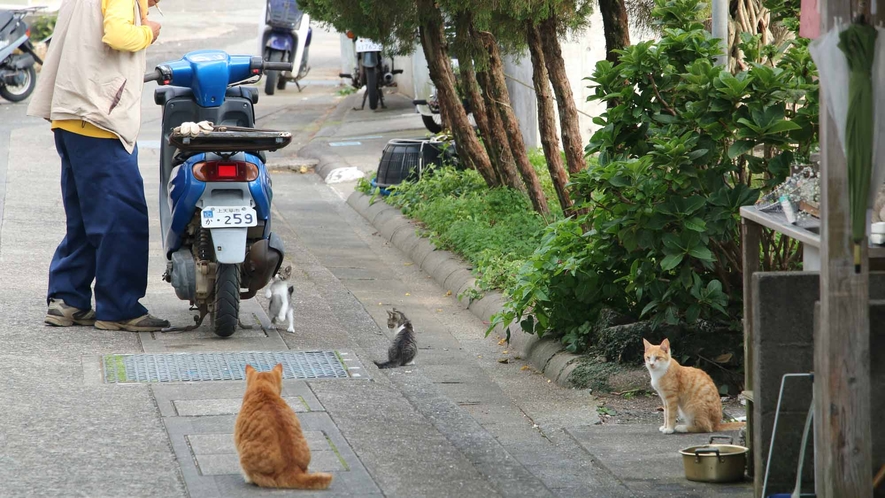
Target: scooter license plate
(364,45)
(228,217)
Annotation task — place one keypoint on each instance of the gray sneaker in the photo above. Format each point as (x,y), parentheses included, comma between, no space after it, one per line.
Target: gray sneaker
(60,314)
(146,323)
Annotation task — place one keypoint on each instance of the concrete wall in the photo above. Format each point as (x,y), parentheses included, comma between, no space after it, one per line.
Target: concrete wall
(522,99)
(784,313)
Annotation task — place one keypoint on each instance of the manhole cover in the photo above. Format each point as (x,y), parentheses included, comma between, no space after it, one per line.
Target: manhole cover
(200,367)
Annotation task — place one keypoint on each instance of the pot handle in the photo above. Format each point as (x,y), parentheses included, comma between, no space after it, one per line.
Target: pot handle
(729,438)
(704,451)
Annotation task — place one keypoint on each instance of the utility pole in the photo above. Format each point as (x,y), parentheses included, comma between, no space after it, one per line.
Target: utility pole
(720,29)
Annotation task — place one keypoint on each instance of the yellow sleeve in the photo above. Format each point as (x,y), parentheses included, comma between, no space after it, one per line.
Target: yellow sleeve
(120,31)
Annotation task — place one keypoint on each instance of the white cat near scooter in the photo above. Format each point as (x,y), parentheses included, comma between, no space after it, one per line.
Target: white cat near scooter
(280,294)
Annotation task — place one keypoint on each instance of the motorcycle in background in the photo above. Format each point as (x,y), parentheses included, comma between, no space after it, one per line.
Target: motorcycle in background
(215,191)
(370,71)
(286,38)
(429,107)
(17,74)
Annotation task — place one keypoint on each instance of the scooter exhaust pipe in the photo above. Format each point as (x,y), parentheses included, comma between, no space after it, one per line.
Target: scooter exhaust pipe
(388,78)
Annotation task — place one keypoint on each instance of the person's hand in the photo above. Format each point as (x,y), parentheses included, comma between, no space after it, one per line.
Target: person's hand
(151,3)
(155,28)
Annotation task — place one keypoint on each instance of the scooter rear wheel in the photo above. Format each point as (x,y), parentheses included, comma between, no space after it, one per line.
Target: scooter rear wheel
(226,315)
(23,91)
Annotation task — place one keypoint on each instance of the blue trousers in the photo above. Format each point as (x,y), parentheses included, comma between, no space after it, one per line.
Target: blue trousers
(107,228)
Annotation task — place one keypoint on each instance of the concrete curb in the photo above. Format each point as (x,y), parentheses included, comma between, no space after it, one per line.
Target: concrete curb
(327,161)
(453,274)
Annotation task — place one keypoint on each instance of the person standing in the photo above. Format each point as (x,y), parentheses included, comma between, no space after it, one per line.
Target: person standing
(90,90)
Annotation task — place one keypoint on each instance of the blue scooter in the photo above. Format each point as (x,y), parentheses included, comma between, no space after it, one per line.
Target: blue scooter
(286,37)
(215,191)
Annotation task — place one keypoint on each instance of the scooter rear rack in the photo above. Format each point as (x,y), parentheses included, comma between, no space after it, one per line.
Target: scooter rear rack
(232,139)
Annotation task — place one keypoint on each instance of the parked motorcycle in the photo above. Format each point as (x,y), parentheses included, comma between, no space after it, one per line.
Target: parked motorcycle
(215,191)
(370,71)
(429,107)
(286,38)
(17,74)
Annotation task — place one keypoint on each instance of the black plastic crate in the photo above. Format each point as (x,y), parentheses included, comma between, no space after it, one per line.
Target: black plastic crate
(408,159)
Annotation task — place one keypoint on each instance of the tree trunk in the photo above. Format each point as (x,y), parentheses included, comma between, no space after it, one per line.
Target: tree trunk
(616,27)
(465,54)
(477,106)
(565,100)
(547,119)
(497,138)
(434,45)
(511,126)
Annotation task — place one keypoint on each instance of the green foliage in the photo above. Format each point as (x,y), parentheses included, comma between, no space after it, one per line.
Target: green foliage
(42,27)
(495,230)
(683,146)
(785,11)
(344,91)
(391,22)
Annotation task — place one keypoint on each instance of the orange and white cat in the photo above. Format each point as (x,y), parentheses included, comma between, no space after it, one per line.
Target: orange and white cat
(273,451)
(688,391)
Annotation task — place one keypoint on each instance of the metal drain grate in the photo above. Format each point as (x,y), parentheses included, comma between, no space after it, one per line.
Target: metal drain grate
(201,367)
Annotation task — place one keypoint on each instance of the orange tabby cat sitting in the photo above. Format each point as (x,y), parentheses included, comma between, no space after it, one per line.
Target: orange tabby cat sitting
(688,391)
(273,451)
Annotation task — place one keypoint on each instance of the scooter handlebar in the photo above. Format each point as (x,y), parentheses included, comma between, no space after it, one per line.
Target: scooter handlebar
(153,76)
(278,66)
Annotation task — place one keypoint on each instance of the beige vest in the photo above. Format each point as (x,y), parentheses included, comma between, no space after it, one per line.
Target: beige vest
(84,79)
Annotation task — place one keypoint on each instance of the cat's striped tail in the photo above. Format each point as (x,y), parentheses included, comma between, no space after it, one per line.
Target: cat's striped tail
(730,426)
(386,364)
(317,480)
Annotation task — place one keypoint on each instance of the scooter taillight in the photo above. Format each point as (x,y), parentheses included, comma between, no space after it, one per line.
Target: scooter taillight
(225,171)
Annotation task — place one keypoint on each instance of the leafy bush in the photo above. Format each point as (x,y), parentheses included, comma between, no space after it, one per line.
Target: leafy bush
(682,146)
(495,230)
(42,27)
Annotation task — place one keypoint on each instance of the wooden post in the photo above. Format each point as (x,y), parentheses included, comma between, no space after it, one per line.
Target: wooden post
(842,433)
(751,234)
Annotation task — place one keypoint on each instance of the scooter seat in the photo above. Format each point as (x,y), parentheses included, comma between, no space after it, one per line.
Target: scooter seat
(230,139)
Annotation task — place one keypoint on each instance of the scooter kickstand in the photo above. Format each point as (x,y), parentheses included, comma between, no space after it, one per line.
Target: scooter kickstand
(198,320)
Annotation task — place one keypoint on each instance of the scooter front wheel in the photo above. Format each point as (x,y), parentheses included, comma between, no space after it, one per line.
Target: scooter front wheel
(225,316)
(272,77)
(433,123)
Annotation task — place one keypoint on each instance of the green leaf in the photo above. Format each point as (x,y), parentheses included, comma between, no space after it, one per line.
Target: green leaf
(671,261)
(782,126)
(740,147)
(673,242)
(701,252)
(528,325)
(696,224)
(694,203)
(665,118)
(619,181)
